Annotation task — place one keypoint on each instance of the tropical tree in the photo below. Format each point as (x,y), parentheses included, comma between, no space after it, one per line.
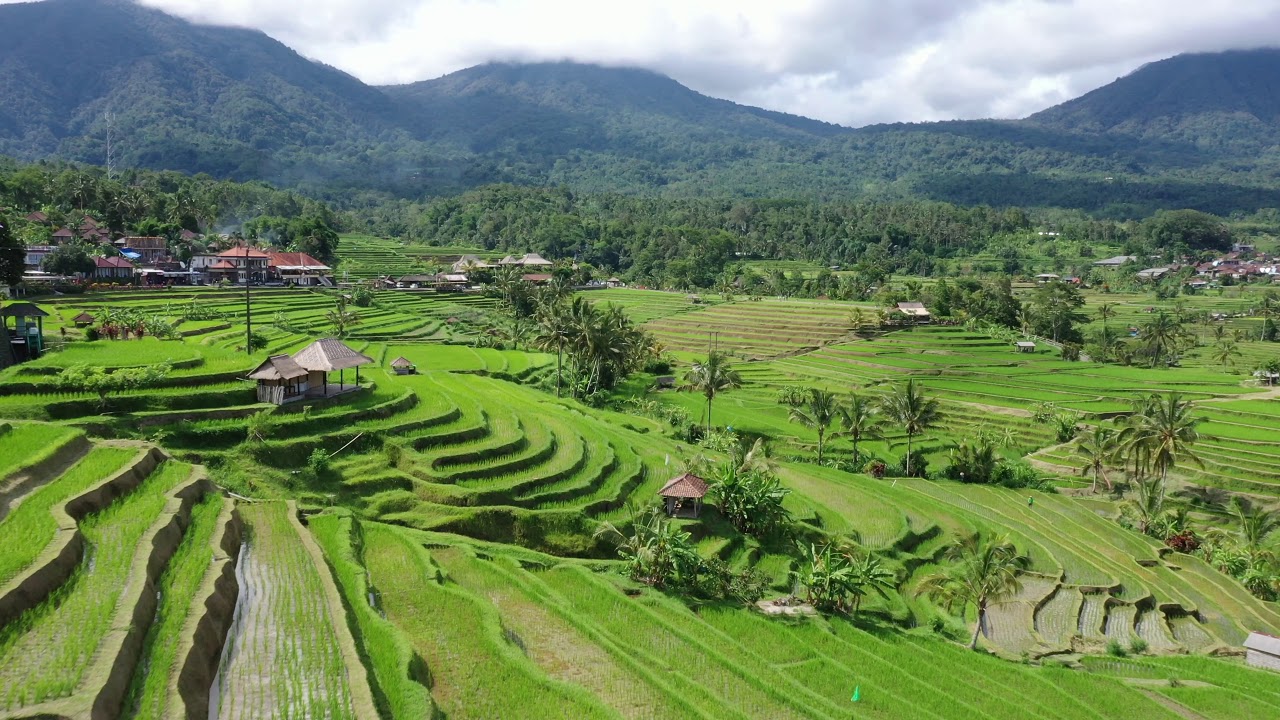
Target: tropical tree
(1162,433)
(833,575)
(86,378)
(555,333)
(750,498)
(655,551)
(986,572)
(1106,311)
(1146,507)
(1097,447)
(1256,524)
(909,407)
(1225,353)
(818,412)
(341,319)
(711,377)
(861,420)
(1162,337)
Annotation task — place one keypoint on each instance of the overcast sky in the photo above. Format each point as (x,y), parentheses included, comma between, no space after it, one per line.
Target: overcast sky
(848,61)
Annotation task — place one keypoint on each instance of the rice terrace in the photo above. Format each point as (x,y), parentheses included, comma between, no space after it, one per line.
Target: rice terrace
(558,390)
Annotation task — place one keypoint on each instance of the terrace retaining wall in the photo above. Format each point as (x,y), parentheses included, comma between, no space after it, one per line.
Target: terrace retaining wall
(22,482)
(205,634)
(59,559)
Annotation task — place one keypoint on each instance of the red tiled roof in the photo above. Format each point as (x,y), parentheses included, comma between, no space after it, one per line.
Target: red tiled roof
(63,232)
(38,216)
(238,252)
(296,259)
(222,265)
(687,485)
(537,277)
(113,262)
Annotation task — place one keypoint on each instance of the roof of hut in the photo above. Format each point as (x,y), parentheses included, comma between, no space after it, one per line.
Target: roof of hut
(329,354)
(687,485)
(278,367)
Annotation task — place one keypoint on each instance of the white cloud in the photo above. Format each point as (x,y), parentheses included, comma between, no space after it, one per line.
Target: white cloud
(847,61)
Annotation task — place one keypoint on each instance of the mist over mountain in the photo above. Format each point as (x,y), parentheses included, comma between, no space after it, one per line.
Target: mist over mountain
(1195,130)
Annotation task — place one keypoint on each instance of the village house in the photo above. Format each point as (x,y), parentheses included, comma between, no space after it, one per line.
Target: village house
(298,268)
(1115,262)
(467,263)
(113,269)
(1153,273)
(149,250)
(1262,651)
(914,310)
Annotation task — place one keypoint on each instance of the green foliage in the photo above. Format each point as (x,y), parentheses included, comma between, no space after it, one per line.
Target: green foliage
(750,498)
(86,378)
(837,578)
(69,259)
(12,255)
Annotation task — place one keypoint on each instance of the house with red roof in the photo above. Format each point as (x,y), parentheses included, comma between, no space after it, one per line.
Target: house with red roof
(298,268)
(113,269)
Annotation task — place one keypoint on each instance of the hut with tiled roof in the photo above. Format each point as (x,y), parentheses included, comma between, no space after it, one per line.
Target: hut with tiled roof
(682,496)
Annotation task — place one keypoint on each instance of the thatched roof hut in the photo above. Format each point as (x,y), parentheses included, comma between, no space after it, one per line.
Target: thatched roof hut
(682,495)
(328,355)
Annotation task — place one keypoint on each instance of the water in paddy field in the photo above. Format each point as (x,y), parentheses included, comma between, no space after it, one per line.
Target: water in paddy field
(228,649)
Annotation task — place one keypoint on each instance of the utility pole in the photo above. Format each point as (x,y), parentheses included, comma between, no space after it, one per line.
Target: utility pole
(248,310)
(111,158)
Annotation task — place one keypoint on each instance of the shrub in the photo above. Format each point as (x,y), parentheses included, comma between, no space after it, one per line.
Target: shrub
(1138,646)
(318,461)
(876,468)
(1114,648)
(91,334)
(1183,542)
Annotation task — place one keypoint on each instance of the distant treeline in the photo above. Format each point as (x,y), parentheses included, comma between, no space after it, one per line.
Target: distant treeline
(691,242)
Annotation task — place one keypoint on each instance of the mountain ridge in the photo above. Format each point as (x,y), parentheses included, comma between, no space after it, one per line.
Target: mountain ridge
(236,103)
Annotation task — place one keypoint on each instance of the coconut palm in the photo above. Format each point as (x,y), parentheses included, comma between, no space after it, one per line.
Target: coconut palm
(817,412)
(711,377)
(1097,448)
(986,572)
(1162,337)
(908,406)
(555,333)
(861,420)
(1146,507)
(1162,433)
(1106,311)
(1256,524)
(1225,353)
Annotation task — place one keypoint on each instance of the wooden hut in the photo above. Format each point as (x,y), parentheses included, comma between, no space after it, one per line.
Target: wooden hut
(402,366)
(682,497)
(1262,651)
(25,336)
(1025,346)
(280,380)
(325,356)
(84,319)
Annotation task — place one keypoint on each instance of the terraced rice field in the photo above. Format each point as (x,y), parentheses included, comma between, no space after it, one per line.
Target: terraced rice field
(282,655)
(753,330)
(45,654)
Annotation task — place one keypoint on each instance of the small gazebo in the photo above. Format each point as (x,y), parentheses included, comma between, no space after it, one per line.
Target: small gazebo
(84,319)
(26,337)
(325,356)
(682,496)
(402,366)
(1025,346)
(280,380)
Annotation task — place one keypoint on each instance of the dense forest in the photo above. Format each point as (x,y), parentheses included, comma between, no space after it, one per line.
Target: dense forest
(161,204)
(691,242)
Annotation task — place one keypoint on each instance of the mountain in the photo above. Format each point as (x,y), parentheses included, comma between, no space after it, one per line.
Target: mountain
(227,101)
(1228,101)
(1194,131)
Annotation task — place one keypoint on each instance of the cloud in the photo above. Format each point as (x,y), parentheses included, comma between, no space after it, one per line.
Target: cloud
(848,61)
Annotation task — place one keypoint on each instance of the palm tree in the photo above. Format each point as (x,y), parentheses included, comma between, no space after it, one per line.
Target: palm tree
(986,573)
(1147,507)
(861,421)
(1163,433)
(1162,336)
(908,406)
(555,332)
(818,412)
(1256,524)
(1106,311)
(711,377)
(1097,448)
(1226,352)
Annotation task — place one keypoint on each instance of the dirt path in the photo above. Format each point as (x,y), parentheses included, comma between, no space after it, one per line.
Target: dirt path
(995,409)
(1178,708)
